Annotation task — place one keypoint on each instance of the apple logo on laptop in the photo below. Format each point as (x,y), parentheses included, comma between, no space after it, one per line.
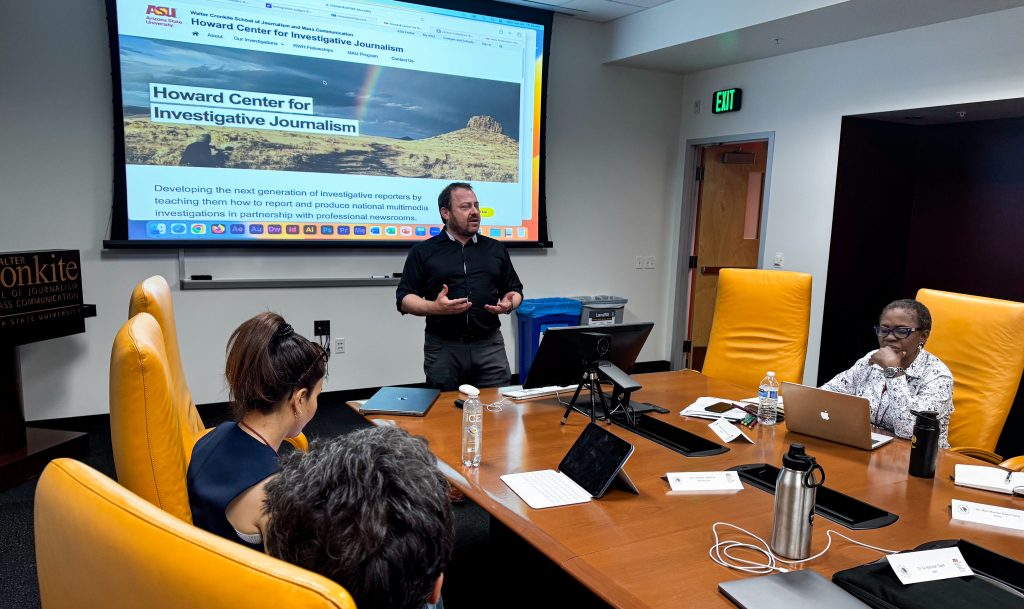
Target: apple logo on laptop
(824,415)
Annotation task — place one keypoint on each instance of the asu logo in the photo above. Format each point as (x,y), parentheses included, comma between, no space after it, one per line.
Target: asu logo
(161,11)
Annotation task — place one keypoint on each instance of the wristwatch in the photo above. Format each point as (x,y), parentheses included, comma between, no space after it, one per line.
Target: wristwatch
(893,372)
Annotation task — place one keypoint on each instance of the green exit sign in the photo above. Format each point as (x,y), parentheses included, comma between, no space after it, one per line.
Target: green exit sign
(727,100)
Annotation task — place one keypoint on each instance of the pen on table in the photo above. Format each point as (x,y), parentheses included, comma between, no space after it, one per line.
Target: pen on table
(1009,476)
(380,276)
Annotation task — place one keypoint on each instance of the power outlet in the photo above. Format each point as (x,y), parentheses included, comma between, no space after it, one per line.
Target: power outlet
(649,262)
(638,262)
(779,261)
(322,327)
(339,345)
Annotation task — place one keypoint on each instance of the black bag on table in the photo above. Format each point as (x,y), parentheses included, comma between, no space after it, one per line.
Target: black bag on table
(998,583)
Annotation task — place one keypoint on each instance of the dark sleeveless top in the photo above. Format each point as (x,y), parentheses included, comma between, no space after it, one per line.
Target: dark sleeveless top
(226,462)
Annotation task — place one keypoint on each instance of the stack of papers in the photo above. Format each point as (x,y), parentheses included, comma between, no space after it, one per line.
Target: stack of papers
(700,410)
(988,478)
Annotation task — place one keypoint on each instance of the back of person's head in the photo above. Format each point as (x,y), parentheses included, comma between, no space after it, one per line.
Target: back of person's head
(444,200)
(268,361)
(369,510)
(924,316)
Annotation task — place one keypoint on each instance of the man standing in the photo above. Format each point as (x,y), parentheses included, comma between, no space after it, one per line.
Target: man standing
(461,281)
(199,153)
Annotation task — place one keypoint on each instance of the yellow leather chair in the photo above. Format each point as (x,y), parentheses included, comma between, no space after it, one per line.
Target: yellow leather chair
(1014,463)
(980,340)
(152,428)
(99,545)
(760,324)
(153,296)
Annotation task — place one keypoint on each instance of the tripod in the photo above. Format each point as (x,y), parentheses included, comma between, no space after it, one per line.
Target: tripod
(591,382)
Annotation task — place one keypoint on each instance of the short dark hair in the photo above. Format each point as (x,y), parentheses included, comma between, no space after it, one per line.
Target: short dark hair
(444,200)
(369,510)
(924,316)
(267,361)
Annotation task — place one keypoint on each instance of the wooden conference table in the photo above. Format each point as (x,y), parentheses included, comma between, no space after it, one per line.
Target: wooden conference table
(651,550)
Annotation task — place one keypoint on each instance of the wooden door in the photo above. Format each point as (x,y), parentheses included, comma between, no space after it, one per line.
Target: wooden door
(728,228)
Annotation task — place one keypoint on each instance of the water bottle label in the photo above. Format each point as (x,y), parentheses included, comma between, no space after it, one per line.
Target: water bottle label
(771,394)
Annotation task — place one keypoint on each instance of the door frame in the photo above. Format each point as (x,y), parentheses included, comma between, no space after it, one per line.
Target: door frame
(688,224)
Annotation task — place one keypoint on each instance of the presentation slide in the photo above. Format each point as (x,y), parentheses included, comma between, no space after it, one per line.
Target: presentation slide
(334,120)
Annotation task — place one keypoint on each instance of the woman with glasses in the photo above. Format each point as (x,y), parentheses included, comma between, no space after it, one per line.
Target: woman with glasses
(901,376)
(274,379)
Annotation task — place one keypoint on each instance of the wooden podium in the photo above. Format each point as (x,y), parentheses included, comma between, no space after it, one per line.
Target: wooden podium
(40,299)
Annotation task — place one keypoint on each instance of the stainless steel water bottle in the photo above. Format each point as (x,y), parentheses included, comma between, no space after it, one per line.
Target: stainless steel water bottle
(795,492)
(924,445)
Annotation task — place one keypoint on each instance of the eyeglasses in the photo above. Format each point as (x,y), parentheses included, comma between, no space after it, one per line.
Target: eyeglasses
(898,331)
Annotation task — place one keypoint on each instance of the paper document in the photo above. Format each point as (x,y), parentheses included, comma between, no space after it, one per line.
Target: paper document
(991,515)
(704,481)
(708,408)
(988,478)
(929,565)
(727,431)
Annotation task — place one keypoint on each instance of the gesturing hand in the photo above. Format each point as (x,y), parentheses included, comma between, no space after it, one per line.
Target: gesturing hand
(503,306)
(888,357)
(449,306)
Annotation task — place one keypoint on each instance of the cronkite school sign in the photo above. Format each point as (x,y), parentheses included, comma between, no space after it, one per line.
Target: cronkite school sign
(40,295)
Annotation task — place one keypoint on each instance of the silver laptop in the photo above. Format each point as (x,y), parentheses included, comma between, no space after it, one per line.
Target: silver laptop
(794,590)
(837,417)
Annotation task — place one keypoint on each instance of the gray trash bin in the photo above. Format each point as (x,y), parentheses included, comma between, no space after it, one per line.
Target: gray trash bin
(601,310)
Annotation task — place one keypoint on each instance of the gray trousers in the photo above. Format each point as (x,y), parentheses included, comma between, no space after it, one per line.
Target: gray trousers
(450,363)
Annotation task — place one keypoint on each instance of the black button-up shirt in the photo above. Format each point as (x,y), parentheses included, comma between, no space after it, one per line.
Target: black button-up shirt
(481,271)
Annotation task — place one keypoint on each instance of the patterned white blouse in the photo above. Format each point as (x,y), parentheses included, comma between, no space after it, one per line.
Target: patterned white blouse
(927,385)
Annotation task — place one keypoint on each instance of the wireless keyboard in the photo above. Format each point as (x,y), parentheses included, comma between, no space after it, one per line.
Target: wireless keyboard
(537,392)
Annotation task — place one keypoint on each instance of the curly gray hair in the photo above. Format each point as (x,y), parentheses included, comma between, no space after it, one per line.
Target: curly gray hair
(369,510)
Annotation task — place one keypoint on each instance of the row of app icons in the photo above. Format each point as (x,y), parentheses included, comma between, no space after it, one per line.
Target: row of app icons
(161,229)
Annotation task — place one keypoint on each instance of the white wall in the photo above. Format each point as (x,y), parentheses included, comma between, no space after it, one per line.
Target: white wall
(802,97)
(683,21)
(612,148)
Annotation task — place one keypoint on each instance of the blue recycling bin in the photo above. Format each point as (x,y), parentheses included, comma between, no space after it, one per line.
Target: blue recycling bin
(535,316)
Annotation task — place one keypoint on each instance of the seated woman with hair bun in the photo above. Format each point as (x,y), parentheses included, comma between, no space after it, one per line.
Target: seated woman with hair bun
(274,379)
(900,376)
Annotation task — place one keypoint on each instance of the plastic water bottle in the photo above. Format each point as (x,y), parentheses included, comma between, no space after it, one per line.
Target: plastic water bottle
(795,493)
(768,400)
(472,428)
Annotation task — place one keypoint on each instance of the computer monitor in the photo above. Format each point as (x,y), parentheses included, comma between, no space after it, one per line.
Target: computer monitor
(565,351)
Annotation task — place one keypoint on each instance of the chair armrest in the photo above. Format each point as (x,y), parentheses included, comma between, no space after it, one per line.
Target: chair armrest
(978,453)
(1014,463)
(299,442)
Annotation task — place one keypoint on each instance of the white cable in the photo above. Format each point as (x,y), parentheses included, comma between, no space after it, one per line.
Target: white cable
(497,406)
(720,552)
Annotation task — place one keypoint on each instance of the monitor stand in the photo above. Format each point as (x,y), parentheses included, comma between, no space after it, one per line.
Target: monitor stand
(623,386)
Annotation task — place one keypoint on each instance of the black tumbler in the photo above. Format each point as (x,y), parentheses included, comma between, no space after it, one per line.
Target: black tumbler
(924,445)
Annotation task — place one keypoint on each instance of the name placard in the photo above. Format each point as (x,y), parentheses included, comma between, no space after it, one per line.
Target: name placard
(40,295)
